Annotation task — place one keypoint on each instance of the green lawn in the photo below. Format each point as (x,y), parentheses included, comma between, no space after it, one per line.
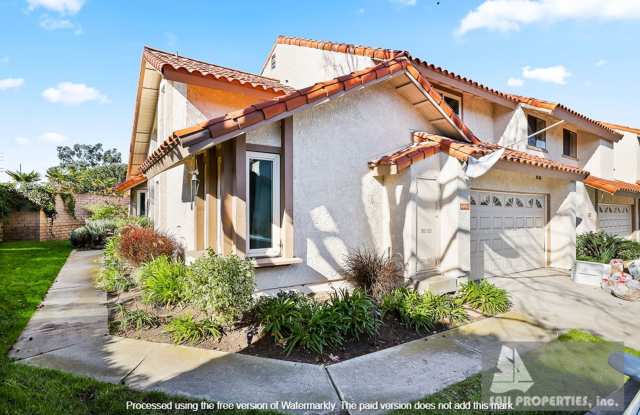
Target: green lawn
(27,269)
(555,356)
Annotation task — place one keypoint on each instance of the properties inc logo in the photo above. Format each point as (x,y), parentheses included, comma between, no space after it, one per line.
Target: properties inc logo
(512,374)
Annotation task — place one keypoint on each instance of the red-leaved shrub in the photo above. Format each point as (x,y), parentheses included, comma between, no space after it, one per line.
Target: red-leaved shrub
(139,245)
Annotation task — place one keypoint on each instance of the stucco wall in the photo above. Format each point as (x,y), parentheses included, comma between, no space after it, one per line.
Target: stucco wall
(627,157)
(338,203)
(596,155)
(561,228)
(478,114)
(299,67)
(172,209)
(212,102)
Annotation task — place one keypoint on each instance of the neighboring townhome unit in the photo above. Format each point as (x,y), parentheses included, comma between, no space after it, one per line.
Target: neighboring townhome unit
(617,204)
(607,199)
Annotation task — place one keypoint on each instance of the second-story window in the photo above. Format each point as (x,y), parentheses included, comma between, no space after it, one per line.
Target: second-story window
(535,125)
(569,143)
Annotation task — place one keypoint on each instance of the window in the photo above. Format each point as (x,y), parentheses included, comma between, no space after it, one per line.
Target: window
(273,61)
(263,204)
(141,203)
(535,124)
(569,143)
(454,101)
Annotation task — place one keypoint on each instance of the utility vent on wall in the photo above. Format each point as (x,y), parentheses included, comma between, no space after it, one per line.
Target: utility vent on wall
(273,61)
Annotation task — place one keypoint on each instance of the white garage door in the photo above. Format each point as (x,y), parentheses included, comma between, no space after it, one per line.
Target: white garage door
(615,219)
(507,232)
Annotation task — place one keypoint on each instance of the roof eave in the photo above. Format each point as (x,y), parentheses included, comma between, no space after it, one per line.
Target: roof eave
(586,125)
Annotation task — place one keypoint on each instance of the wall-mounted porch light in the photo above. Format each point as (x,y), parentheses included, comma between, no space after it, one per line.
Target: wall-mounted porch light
(195,183)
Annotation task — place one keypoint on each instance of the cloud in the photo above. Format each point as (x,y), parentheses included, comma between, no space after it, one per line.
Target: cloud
(515,82)
(70,93)
(52,138)
(360,11)
(50,23)
(555,74)
(601,62)
(10,83)
(510,15)
(405,2)
(23,141)
(59,6)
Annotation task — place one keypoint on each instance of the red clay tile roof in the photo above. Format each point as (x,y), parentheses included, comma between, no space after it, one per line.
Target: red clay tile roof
(425,145)
(256,113)
(161,60)
(381,53)
(611,186)
(622,127)
(129,183)
(378,53)
(548,105)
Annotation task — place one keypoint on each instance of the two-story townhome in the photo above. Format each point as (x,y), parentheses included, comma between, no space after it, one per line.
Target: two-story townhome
(626,162)
(607,199)
(359,147)
(541,128)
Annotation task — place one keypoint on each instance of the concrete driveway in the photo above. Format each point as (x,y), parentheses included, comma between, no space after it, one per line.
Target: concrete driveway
(549,297)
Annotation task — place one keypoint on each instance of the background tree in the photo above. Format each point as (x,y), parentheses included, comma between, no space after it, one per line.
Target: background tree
(87,155)
(87,168)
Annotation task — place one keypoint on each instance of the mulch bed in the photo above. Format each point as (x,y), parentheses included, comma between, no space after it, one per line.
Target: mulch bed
(247,338)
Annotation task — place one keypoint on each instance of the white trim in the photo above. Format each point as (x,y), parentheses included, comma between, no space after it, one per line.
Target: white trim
(275,208)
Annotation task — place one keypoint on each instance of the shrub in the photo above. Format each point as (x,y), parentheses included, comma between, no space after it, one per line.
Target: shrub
(80,237)
(100,230)
(139,221)
(137,319)
(411,307)
(162,281)
(221,285)
(445,307)
(361,315)
(602,247)
(113,279)
(377,274)
(297,321)
(93,234)
(107,211)
(139,245)
(275,313)
(110,254)
(316,327)
(485,297)
(185,329)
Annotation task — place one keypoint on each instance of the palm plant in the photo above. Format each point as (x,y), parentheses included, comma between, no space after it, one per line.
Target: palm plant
(24,177)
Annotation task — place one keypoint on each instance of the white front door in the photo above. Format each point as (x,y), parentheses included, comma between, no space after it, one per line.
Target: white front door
(428,226)
(507,232)
(615,219)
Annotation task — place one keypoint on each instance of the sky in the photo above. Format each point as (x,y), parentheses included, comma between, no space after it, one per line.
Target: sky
(68,68)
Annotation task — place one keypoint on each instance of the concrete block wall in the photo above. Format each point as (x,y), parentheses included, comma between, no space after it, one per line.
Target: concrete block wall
(34,225)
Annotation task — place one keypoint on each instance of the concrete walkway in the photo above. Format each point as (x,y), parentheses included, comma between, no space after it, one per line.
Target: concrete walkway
(550,298)
(69,333)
